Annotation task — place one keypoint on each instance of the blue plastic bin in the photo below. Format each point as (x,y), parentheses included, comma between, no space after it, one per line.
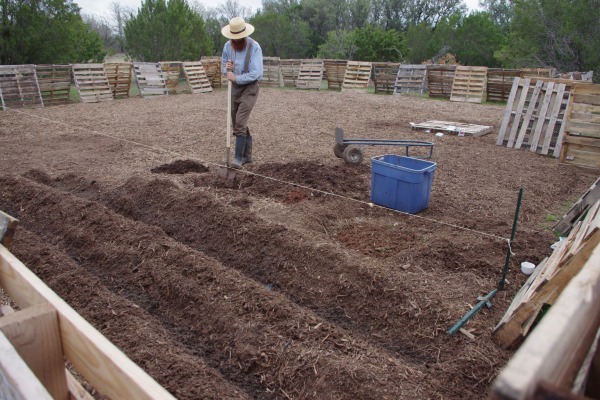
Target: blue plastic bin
(401,183)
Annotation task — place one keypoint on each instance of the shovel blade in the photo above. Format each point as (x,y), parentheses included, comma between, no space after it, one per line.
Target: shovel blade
(226,173)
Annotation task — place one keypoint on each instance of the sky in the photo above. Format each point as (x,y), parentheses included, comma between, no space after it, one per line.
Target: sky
(102,7)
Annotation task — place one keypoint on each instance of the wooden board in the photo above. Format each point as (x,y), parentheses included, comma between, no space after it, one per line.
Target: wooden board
(538,72)
(384,76)
(196,77)
(289,71)
(310,74)
(411,79)
(440,78)
(499,83)
(357,76)
(469,84)
(171,72)
(534,116)
(456,128)
(54,82)
(119,78)
(575,213)
(212,68)
(150,79)
(271,72)
(581,141)
(19,87)
(92,83)
(334,73)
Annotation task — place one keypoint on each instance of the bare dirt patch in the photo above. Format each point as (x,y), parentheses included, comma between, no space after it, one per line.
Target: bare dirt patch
(284,283)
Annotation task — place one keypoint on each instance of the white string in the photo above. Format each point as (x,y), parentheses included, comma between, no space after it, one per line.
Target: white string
(159,149)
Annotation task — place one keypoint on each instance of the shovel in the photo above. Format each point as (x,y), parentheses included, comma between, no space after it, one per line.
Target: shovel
(227,173)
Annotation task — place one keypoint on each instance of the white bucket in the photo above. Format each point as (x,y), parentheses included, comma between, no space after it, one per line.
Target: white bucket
(527,267)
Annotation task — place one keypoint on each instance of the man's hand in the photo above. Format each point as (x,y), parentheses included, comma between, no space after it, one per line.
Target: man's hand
(229,65)
(231,76)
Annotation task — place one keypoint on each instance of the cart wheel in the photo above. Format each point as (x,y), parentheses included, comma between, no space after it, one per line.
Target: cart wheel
(353,155)
(338,150)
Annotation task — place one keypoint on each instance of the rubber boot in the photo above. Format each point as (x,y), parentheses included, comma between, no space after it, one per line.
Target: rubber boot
(240,148)
(247,151)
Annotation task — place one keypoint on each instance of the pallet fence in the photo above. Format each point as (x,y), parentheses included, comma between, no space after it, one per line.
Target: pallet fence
(92,83)
(310,74)
(334,73)
(171,72)
(119,78)
(150,79)
(271,72)
(469,84)
(357,76)
(440,78)
(196,77)
(54,81)
(384,76)
(19,87)
(411,79)
(499,83)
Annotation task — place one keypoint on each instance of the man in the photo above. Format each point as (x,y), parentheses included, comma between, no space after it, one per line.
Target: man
(242,63)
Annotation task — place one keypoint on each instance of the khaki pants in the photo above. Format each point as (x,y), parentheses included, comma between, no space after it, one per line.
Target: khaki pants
(243,101)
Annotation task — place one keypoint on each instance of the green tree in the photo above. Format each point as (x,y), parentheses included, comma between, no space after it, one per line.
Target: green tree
(377,44)
(281,36)
(476,40)
(420,43)
(500,11)
(46,31)
(340,45)
(166,31)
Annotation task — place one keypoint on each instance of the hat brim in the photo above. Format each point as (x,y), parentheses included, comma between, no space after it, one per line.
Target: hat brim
(226,31)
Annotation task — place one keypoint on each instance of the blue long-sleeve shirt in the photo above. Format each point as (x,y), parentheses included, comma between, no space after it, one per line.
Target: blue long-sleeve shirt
(255,66)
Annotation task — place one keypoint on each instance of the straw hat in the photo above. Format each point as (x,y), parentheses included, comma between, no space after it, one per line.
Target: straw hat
(237,29)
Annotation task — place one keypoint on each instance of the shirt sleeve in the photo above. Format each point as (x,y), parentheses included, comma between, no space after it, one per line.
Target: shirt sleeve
(255,67)
(226,56)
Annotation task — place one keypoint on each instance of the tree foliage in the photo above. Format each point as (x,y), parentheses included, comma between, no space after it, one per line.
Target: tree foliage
(46,31)
(280,36)
(166,31)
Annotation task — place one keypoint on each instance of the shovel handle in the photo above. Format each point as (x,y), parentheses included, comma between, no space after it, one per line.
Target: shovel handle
(228,113)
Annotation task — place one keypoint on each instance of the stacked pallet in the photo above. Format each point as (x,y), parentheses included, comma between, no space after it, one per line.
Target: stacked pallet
(212,68)
(411,79)
(534,116)
(357,76)
(19,87)
(469,84)
(334,73)
(92,83)
(581,142)
(150,79)
(310,74)
(119,78)
(271,72)
(171,72)
(196,77)
(289,71)
(499,83)
(54,82)
(384,76)
(440,78)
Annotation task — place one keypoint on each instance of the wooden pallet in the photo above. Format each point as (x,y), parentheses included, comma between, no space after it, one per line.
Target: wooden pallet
(581,143)
(384,76)
(271,72)
(578,211)
(334,73)
(411,79)
(171,72)
(119,78)
(212,68)
(538,72)
(456,128)
(19,87)
(55,83)
(289,71)
(440,78)
(150,79)
(196,77)
(499,83)
(534,116)
(92,83)
(469,84)
(357,76)
(310,74)
(549,279)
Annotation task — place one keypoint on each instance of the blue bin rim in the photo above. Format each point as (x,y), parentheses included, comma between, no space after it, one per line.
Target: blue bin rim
(379,160)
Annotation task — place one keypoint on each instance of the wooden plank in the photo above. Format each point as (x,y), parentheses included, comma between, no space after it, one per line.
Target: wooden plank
(530,109)
(542,119)
(196,77)
(556,348)
(514,94)
(35,335)
(21,381)
(98,360)
(554,117)
(8,225)
(518,113)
